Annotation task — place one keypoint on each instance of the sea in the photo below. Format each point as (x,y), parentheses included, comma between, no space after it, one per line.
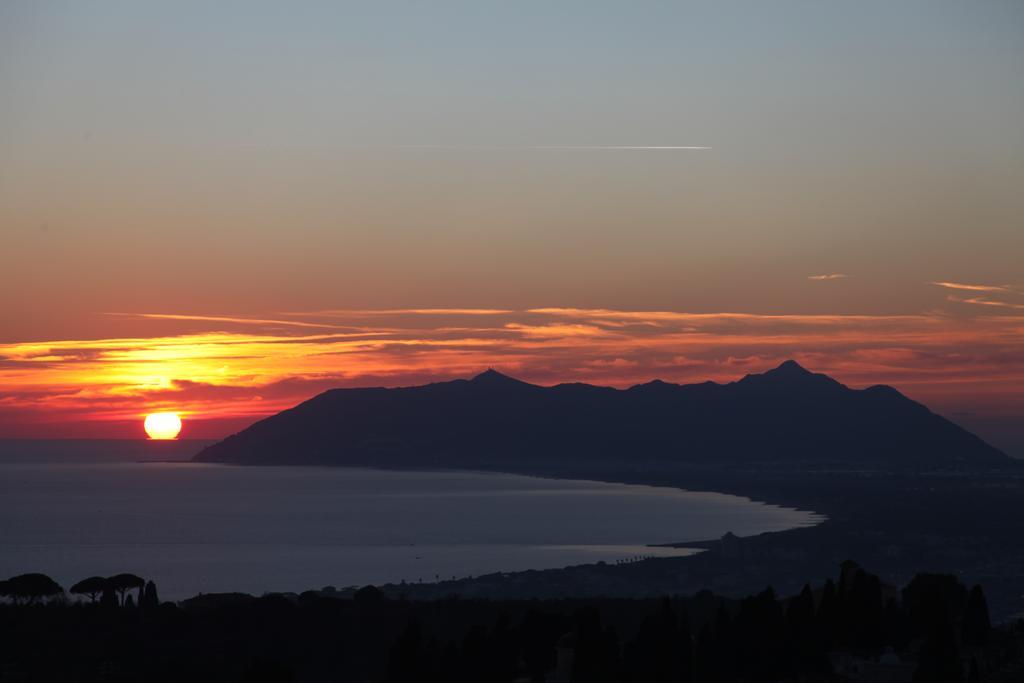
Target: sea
(73,509)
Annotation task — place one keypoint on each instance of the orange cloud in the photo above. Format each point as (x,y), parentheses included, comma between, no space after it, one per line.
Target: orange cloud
(982,301)
(344,313)
(973,288)
(229,378)
(228,319)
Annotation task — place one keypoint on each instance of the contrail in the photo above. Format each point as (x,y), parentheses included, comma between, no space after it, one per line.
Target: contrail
(581,147)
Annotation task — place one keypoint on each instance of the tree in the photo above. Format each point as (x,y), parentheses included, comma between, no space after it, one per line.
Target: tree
(502,649)
(92,586)
(808,644)
(368,596)
(828,616)
(760,637)
(865,610)
(108,599)
(31,587)
(705,656)
(657,655)
(725,660)
(800,613)
(596,659)
(537,636)
(149,598)
(405,664)
(976,626)
(973,675)
(933,598)
(940,657)
(125,582)
(685,640)
(268,671)
(896,625)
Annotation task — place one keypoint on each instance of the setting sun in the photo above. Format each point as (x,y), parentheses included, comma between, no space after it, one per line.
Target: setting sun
(163,425)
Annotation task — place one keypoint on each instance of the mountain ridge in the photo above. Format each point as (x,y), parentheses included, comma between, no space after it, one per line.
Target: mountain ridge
(786,415)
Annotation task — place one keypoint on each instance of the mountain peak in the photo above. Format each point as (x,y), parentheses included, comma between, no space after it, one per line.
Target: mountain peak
(790,367)
(653,385)
(492,377)
(790,376)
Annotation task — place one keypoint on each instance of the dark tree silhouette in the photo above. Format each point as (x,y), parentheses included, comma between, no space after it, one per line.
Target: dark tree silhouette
(760,637)
(724,660)
(92,586)
(865,610)
(807,641)
(368,596)
(684,639)
(474,654)
(704,655)
(800,613)
(976,626)
(108,598)
(502,651)
(405,664)
(659,653)
(267,671)
(537,636)
(828,616)
(940,657)
(896,626)
(149,598)
(973,674)
(31,587)
(125,582)
(930,599)
(597,649)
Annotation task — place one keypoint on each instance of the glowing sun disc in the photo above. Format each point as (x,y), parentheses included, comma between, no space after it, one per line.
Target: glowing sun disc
(163,425)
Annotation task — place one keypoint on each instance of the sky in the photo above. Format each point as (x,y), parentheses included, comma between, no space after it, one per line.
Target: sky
(224,208)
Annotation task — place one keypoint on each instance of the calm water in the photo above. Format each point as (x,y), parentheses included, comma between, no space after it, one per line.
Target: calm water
(204,528)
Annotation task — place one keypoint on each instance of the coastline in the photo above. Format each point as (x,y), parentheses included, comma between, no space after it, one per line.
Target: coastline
(893,522)
(896,523)
(338,544)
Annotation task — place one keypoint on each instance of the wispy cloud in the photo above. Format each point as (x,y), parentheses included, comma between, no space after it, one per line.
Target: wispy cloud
(654,317)
(262,322)
(828,276)
(350,313)
(555,147)
(974,288)
(982,295)
(983,301)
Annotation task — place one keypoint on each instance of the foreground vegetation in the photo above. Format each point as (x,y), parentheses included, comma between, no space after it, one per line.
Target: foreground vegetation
(854,628)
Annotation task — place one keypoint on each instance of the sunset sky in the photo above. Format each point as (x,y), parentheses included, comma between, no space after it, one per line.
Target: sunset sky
(224,208)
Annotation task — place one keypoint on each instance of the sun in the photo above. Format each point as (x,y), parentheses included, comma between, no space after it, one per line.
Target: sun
(163,425)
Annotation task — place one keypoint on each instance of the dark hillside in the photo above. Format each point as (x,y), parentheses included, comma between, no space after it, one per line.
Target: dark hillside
(786,416)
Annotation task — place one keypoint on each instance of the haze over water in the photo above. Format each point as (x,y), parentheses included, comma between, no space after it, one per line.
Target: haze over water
(208,528)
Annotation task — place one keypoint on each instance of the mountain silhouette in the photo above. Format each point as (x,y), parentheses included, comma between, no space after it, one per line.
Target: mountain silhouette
(787,415)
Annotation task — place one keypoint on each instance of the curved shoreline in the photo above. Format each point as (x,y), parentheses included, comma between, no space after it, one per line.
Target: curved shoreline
(350,524)
(893,522)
